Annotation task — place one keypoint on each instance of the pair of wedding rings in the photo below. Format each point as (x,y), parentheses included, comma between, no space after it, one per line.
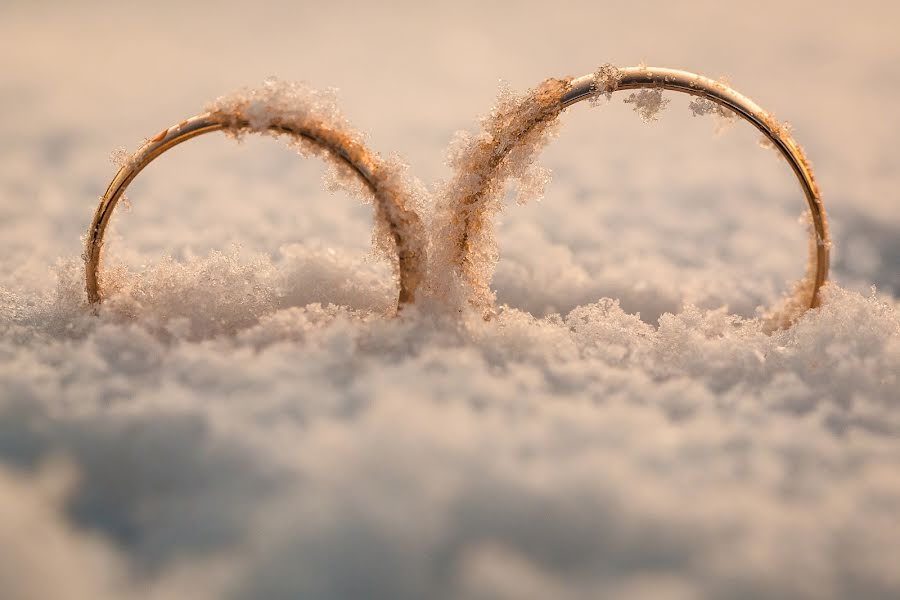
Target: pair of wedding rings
(404,225)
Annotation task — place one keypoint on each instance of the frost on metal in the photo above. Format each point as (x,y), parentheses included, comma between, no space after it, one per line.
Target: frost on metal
(318,128)
(120,157)
(701,106)
(605,82)
(779,129)
(647,103)
(464,249)
(726,117)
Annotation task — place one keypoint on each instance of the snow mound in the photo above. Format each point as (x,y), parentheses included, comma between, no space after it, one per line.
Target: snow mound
(255,428)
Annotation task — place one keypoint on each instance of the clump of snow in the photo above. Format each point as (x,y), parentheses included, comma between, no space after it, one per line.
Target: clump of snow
(701,106)
(606,81)
(119,157)
(464,248)
(726,117)
(647,103)
(311,114)
(777,127)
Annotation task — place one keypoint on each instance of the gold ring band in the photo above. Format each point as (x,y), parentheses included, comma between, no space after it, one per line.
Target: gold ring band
(403,223)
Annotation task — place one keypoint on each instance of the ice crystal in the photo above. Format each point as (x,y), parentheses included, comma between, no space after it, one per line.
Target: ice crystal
(606,81)
(779,129)
(701,106)
(119,157)
(647,103)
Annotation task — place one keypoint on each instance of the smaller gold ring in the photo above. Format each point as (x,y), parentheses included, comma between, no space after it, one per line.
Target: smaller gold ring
(403,224)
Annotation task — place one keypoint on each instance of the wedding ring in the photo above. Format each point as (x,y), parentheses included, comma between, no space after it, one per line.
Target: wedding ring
(403,224)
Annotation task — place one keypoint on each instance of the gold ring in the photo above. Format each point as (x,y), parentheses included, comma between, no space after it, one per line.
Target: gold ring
(381,178)
(519,127)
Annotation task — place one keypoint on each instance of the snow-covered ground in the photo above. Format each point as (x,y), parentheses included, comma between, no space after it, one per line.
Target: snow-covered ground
(243,421)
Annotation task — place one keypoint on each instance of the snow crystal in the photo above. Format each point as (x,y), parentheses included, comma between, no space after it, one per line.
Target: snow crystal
(647,103)
(606,80)
(777,128)
(119,157)
(700,106)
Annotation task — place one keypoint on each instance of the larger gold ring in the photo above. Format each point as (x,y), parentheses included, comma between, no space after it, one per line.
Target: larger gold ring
(380,178)
(519,128)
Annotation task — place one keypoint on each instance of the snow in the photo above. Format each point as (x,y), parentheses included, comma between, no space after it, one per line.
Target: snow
(245,419)
(725,116)
(464,244)
(648,103)
(606,80)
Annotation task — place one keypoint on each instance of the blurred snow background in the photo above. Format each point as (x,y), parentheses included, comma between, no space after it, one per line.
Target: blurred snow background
(222,431)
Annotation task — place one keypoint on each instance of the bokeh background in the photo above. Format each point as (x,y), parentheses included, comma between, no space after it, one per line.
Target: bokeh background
(198,443)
